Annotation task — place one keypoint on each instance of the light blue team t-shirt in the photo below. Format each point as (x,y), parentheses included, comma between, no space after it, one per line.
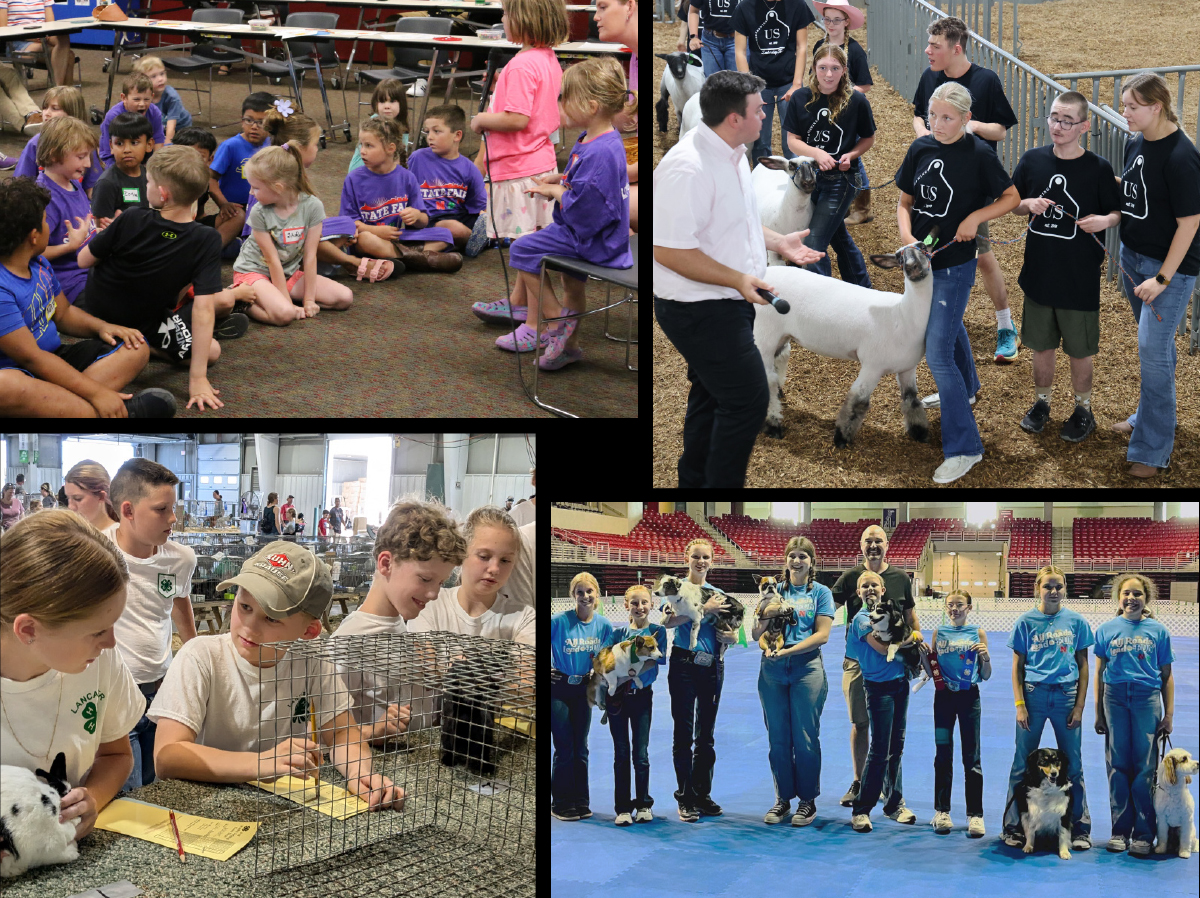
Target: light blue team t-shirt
(956,657)
(659,632)
(808,602)
(1049,644)
(875,667)
(573,643)
(1134,650)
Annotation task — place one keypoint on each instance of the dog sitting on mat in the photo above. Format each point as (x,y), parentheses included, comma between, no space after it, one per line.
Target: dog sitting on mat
(1173,804)
(1043,799)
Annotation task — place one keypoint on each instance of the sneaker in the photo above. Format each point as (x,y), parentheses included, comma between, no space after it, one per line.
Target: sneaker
(708,808)
(975,827)
(1081,842)
(1007,344)
(1035,419)
(583,811)
(1079,425)
(478,241)
(941,822)
(418,89)
(851,794)
(688,815)
(498,311)
(521,340)
(902,815)
(1013,838)
(643,815)
(7,162)
(778,811)
(1117,844)
(806,813)
(1138,846)
(564,814)
(933,400)
(231,326)
(152,403)
(861,823)
(624,819)
(955,467)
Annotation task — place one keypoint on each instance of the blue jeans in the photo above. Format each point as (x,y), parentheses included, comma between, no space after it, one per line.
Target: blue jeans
(762,146)
(887,709)
(1133,712)
(793,691)
(1154,432)
(717,54)
(830,201)
(948,354)
(695,697)
(570,719)
(141,740)
(850,261)
(962,705)
(1052,702)
(634,715)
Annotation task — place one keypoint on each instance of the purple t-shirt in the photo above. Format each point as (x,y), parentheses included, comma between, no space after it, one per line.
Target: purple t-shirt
(448,186)
(29,302)
(378,199)
(595,206)
(27,166)
(156,121)
(67,204)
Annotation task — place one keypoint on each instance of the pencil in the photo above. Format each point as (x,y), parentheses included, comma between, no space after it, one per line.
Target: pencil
(178,840)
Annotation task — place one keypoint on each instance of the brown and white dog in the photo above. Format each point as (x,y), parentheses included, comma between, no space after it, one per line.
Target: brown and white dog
(775,613)
(1173,804)
(622,663)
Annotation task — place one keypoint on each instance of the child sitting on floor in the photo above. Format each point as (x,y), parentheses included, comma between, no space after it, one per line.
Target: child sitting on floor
(135,97)
(165,97)
(451,185)
(229,220)
(64,155)
(59,101)
(124,185)
(388,101)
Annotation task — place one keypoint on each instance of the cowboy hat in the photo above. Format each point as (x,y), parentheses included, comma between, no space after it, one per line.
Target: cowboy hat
(843,6)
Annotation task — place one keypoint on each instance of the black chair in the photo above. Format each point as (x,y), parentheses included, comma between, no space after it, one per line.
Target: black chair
(407,65)
(624,278)
(309,56)
(206,54)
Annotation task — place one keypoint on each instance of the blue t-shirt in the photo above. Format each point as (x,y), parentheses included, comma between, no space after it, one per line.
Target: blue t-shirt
(706,640)
(171,107)
(960,667)
(875,667)
(29,302)
(659,632)
(1134,650)
(808,603)
(1049,644)
(573,643)
(228,163)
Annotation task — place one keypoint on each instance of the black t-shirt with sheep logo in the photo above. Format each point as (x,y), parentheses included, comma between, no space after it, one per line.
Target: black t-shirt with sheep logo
(771,28)
(947,183)
(1160,183)
(815,128)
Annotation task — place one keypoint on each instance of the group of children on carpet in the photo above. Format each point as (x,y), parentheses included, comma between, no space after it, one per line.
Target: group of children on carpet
(167,292)
(1050,642)
(86,666)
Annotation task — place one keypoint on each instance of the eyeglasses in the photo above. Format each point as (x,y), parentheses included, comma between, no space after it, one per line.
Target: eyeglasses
(1056,122)
(256,122)
(834,20)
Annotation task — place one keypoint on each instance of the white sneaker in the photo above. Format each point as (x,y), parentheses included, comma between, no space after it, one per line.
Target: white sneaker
(624,819)
(419,87)
(643,815)
(954,467)
(941,822)
(861,823)
(933,401)
(975,827)
(903,815)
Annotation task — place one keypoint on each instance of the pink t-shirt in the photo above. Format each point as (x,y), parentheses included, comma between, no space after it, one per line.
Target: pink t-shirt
(529,84)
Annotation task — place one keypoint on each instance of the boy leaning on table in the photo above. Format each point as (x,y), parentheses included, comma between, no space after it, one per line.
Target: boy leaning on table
(221,721)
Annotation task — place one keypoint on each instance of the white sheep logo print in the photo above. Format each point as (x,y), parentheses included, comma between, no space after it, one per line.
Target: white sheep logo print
(772,34)
(1133,190)
(934,191)
(824,133)
(1054,221)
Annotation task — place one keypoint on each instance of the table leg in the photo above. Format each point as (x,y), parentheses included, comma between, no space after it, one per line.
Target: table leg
(292,73)
(112,71)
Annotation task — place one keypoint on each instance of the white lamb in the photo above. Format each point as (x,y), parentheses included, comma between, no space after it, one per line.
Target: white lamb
(680,81)
(690,117)
(883,332)
(783,188)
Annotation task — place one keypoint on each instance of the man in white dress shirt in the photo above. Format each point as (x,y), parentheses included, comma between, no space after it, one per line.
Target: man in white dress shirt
(710,255)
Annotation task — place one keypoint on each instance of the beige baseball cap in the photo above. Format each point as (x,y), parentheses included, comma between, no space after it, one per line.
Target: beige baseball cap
(285,578)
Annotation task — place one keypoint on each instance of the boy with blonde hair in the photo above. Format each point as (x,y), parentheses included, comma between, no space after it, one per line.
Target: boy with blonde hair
(165,97)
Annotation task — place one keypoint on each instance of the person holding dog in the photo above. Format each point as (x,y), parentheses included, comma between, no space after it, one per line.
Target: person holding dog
(1133,669)
(1049,679)
(874,545)
(792,686)
(631,713)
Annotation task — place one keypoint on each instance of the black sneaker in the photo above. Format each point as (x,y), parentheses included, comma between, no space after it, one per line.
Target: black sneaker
(240,307)
(231,326)
(1079,425)
(806,813)
(583,811)
(152,403)
(778,812)
(1013,838)
(707,807)
(1035,419)
(851,794)
(564,813)
(688,815)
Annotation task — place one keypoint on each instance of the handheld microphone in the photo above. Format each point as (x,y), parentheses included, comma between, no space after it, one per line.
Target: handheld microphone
(781,305)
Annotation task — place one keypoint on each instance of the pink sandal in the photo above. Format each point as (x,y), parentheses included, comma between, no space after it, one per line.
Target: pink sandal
(381,265)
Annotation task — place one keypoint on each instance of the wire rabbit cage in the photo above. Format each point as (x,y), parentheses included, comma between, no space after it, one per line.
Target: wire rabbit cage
(448,719)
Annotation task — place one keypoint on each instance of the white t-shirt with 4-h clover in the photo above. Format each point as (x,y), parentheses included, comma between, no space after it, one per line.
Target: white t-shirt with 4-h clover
(101,704)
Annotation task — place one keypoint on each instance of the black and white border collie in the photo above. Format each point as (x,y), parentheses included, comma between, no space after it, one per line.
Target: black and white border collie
(1044,799)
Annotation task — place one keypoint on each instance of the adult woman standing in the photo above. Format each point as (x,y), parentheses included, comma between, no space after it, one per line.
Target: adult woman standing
(831,122)
(694,679)
(1160,251)
(617,20)
(792,687)
(944,181)
(271,523)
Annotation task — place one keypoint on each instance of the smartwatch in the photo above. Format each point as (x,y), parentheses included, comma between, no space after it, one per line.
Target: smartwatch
(1162,280)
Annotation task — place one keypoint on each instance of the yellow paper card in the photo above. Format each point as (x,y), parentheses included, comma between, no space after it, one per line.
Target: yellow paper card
(217,839)
(324,797)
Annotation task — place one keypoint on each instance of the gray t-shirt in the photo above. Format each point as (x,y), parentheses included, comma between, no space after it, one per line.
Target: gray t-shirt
(288,235)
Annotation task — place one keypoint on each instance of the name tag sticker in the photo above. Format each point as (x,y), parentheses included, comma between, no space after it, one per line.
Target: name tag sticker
(292,235)
(130,195)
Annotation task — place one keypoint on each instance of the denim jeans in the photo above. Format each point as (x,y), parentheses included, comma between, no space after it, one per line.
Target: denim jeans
(1154,431)
(793,691)
(727,404)
(141,740)
(570,719)
(850,260)
(830,200)
(887,709)
(948,354)
(717,54)
(695,696)
(1133,712)
(948,706)
(1052,702)
(634,715)
(772,96)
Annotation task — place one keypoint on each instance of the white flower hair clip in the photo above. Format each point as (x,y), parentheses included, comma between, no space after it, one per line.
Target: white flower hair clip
(284,107)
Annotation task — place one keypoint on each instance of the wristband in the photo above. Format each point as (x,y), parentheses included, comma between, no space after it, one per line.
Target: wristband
(1019,703)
